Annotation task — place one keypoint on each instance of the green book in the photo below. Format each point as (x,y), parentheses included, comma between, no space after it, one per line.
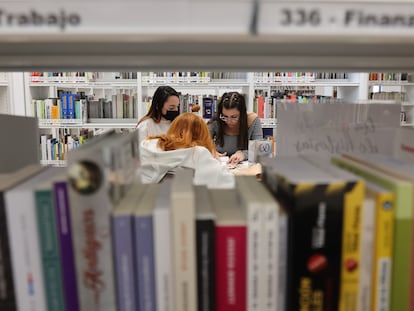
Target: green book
(403,191)
(49,248)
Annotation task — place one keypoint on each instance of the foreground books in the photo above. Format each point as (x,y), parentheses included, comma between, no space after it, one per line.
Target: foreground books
(311,235)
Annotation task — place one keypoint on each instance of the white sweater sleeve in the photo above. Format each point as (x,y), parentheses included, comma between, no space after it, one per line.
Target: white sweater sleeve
(210,172)
(142,130)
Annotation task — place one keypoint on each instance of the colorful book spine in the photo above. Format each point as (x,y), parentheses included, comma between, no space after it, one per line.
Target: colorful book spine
(383,250)
(208,107)
(403,191)
(67,256)
(122,231)
(46,224)
(144,248)
(231,267)
(351,246)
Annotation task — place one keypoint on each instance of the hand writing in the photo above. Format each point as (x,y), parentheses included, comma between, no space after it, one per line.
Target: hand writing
(237,157)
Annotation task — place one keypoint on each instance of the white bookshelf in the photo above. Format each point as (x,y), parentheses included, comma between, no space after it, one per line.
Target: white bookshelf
(4,93)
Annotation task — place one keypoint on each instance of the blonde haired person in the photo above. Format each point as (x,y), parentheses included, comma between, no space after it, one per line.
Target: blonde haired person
(187,143)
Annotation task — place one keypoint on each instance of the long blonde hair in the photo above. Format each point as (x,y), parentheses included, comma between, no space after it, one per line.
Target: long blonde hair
(187,130)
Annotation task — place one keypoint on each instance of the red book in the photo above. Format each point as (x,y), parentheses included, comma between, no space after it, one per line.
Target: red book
(231,251)
(260,106)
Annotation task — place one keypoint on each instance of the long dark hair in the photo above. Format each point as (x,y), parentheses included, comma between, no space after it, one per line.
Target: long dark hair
(232,100)
(161,95)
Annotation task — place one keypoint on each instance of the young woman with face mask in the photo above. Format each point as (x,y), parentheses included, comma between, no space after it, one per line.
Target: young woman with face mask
(164,109)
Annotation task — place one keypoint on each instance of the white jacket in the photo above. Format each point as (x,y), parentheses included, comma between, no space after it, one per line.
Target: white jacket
(155,163)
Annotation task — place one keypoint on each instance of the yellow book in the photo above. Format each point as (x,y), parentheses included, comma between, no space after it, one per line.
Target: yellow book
(383,244)
(402,189)
(55,112)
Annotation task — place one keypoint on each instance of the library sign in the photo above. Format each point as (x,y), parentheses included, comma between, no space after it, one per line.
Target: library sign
(337,17)
(60,20)
(248,17)
(336,128)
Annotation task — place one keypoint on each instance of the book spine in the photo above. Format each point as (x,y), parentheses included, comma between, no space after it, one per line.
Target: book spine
(269,271)
(315,218)
(7,294)
(67,255)
(144,247)
(400,277)
(25,251)
(383,254)
(90,220)
(163,268)
(46,224)
(122,231)
(351,247)
(184,252)
(282,256)
(231,268)
(367,255)
(255,260)
(205,241)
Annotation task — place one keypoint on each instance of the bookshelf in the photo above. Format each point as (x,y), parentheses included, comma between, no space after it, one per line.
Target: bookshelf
(4,90)
(271,85)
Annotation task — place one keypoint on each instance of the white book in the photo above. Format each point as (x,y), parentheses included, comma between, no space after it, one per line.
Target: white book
(367,254)
(162,249)
(263,242)
(94,190)
(183,235)
(254,214)
(24,243)
(43,142)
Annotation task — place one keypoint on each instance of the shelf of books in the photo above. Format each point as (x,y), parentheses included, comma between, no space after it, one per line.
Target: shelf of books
(315,232)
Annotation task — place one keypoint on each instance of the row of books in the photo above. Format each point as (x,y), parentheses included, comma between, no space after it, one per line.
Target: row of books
(64,76)
(67,107)
(49,247)
(350,218)
(121,106)
(316,238)
(294,77)
(396,96)
(390,76)
(55,146)
(70,107)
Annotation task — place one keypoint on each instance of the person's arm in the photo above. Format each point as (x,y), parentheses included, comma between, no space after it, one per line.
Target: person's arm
(210,172)
(255,132)
(212,127)
(143,130)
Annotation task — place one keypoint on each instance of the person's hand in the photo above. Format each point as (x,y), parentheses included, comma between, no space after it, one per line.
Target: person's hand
(236,158)
(217,155)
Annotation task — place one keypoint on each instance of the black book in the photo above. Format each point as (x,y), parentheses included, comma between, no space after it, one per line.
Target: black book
(205,252)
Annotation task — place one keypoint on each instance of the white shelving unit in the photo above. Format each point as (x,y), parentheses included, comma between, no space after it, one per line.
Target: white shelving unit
(4,93)
(397,90)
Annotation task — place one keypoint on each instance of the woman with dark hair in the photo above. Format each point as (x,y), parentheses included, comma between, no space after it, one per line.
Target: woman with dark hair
(232,127)
(164,109)
(187,143)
